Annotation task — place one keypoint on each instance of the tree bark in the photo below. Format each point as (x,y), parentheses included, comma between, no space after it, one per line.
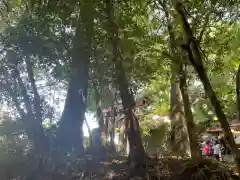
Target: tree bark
(112,121)
(180,105)
(179,135)
(189,121)
(69,133)
(112,133)
(238,92)
(122,138)
(196,60)
(137,153)
(100,119)
(106,120)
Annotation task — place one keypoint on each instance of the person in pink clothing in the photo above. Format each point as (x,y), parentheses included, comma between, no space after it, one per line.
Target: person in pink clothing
(206,149)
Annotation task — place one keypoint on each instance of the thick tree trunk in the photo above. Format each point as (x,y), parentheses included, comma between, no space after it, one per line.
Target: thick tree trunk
(122,138)
(137,153)
(180,105)
(179,140)
(69,133)
(189,121)
(195,58)
(238,92)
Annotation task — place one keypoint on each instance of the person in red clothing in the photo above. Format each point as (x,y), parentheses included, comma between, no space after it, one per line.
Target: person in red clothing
(206,149)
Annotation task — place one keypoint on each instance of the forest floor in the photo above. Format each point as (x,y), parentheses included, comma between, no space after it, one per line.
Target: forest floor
(116,168)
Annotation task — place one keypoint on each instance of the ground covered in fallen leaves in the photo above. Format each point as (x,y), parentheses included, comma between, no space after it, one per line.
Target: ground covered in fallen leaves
(115,167)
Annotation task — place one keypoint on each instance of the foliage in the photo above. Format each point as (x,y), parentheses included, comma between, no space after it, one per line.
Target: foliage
(41,34)
(14,145)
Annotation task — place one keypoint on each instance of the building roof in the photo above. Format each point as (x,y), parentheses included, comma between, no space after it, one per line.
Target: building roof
(235,122)
(234,125)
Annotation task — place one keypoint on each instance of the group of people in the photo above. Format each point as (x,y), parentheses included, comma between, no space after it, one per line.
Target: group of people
(213,148)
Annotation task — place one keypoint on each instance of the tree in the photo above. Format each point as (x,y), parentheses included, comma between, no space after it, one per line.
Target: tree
(195,57)
(238,92)
(183,133)
(189,121)
(13,84)
(70,129)
(178,86)
(137,153)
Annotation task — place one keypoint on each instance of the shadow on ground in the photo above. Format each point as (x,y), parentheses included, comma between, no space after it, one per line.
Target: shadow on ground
(116,168)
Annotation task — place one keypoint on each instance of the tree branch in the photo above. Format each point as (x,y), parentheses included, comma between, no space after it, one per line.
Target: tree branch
(13,96)
(23,91)
(204,27)
(36,98)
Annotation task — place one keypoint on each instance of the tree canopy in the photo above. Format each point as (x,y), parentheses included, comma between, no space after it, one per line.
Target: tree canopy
(61,59)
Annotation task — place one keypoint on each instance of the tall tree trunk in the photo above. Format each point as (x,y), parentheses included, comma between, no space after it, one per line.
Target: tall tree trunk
(238,92)
(189,121)
(180,105)
(106,123)
(122,136)
(112,121)
(112,132)
(196,60)
(69,133)
(100,119)
(137,153)
(179,141)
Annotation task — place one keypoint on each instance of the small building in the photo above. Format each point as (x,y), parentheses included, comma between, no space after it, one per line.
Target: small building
(216,130)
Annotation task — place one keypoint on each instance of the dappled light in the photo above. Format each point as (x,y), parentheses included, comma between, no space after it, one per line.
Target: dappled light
(111,90)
